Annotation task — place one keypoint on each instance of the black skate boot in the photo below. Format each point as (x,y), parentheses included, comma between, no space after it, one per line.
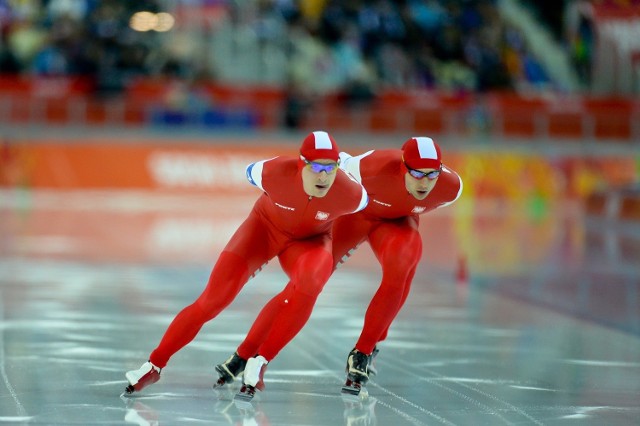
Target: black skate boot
(229,370)
(372,370)
(357,373)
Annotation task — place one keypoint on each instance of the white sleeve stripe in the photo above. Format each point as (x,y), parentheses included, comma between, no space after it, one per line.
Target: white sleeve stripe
(363,201)
(457,195)
(254,173)
(351,165)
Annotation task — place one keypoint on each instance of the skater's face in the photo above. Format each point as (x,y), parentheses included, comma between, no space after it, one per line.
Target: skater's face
(419,182)
(318,176)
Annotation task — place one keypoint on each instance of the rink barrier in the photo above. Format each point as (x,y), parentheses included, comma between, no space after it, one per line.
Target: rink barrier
(613,205)
(111,164)
(151,102)
(203,166)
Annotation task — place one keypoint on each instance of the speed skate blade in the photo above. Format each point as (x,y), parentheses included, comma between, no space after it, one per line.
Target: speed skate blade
(354,393)
(128,391)
(245,395)
(351,390)
(219,384)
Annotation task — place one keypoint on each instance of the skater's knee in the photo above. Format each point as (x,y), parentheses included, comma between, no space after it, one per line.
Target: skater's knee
(310,286)
(210,306)
(312,280)
(230,267)
(225,282)
(312,276)
(401,255)
(217,297)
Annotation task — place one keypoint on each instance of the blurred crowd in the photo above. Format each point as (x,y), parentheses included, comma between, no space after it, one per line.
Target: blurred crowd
(313,46)
(76,38)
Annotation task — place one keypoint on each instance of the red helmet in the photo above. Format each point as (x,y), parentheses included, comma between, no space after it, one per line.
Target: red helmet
(421,153)
(319,145)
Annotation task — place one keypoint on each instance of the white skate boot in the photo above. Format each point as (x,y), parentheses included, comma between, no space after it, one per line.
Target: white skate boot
(253,378)
(138,379)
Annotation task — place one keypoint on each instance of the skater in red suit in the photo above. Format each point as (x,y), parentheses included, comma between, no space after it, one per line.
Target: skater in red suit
(292,220)
(402,184)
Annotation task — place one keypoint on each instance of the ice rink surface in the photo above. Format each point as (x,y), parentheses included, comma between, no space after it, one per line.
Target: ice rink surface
(513,319)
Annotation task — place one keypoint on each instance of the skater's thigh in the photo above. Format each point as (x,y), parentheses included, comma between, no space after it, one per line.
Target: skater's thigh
(397,242)
(254,242)
(308,263)
(348,232)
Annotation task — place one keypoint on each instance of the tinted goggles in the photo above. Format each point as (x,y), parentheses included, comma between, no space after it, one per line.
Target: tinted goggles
(319,167)
(421,175)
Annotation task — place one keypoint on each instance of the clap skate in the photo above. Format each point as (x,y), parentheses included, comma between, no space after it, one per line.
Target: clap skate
(229,370)
(252,379)
(138,379)
(357,375)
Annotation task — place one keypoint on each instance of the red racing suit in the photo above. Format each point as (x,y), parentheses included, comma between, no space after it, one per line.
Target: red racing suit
(284,222)
(390,224)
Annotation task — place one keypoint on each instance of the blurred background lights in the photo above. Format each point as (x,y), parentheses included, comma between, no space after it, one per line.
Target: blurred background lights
(143,21)
(165,22)
(148,21)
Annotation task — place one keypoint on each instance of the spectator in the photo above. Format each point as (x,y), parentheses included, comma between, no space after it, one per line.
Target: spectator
(312,47)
